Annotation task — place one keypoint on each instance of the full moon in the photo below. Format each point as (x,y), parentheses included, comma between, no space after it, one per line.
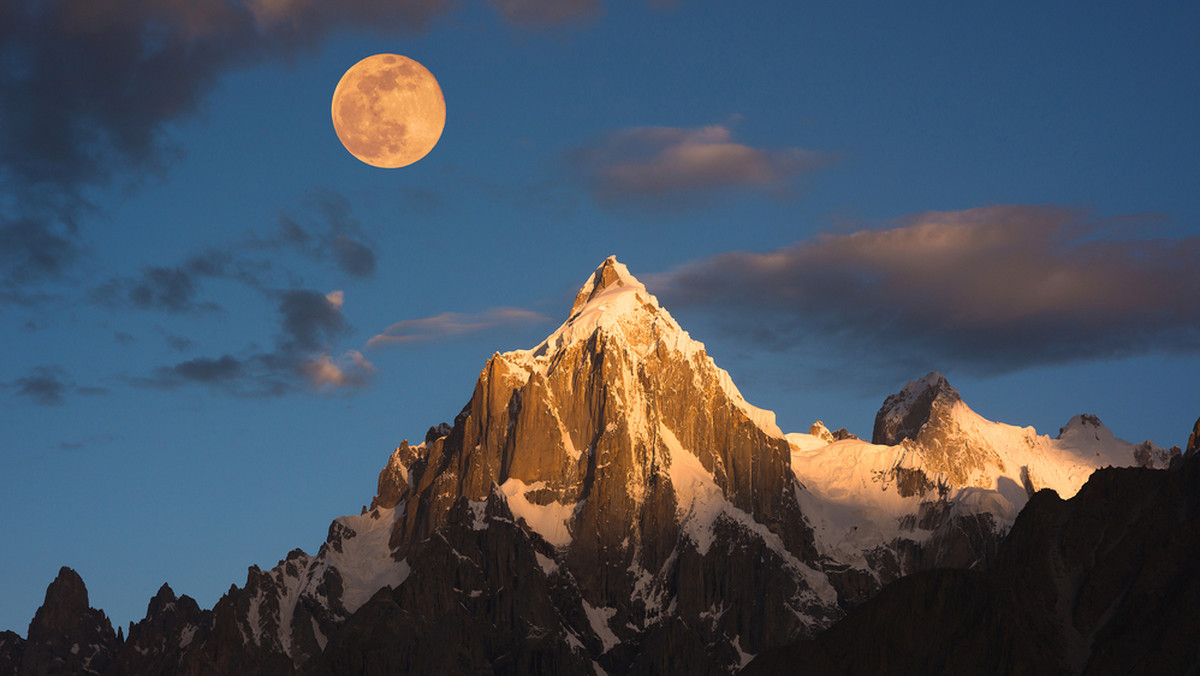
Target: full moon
(388,111)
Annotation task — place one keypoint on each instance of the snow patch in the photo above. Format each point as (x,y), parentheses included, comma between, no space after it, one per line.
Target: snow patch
(478,511)
(547,564)
(549,520)
(698,499)
(365,562)
(743,656)
(599,619)
(700,502)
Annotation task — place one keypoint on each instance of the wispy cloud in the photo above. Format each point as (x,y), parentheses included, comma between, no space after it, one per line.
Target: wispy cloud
(993,289)
(330,233)
(310,322)
(643,163)
(333,236)
(452,324)
(44,385)
(49,386)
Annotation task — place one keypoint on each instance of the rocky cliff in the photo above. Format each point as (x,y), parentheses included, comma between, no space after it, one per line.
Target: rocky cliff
(66,636)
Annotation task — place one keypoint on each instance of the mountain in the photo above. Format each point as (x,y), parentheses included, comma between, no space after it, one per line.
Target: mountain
(608,502)
(940,475)
(1102,583)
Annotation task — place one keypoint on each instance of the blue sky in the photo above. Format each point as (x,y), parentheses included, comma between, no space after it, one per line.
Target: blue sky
(835,199)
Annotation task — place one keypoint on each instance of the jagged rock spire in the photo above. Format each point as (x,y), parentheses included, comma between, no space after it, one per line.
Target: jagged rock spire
(67,629)
(904,414)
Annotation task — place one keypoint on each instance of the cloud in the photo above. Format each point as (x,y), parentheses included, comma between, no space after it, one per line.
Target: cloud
(88,91)
(179,343)
(33,247)
(991,289)
(451,324)
(44,385)
(309,323)
(353,257)
(330,234)
(644,163)
(351,370)
(173,288)
(205,370)
(334,236)
(90,86)
(49,385)
(310,319)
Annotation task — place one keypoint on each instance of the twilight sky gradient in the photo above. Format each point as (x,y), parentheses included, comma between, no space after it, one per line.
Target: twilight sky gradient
(217,323)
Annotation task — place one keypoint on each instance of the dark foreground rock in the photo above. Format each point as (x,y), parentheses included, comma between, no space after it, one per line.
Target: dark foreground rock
(1103,583)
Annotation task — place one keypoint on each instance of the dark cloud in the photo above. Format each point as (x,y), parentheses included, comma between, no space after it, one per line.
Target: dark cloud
(157,288)
(310,320)
(354,258)
(179,343)
(658,164)
(449,324)
(169,288)
(992,289)
(90,84)
(49,385)
(174,288)
(89,87)
(45,385)
(330,233)
(124,338)
(309,324)
(205,370)
(32,248)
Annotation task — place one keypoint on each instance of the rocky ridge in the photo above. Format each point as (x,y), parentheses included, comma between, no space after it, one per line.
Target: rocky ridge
(608,502)
(1101,583)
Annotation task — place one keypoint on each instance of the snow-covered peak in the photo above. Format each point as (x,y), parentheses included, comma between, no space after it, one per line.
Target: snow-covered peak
(611,274)
(614,303)
(1085,426)
(904,413)
(612,298)
(933,383)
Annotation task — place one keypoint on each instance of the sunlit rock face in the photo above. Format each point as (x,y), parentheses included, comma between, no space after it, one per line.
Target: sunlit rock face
(930,415)
(904,414)
(620,444)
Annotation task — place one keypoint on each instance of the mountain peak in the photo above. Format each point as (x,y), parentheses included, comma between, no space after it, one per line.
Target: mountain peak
(67,593)
(904,413)
(610,275)
(1085,424)
(612,298)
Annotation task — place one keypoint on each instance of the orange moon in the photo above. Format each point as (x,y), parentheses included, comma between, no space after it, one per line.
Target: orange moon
(388,111)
